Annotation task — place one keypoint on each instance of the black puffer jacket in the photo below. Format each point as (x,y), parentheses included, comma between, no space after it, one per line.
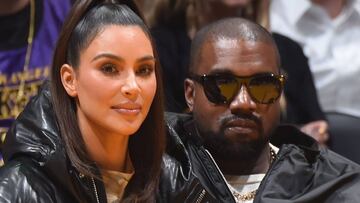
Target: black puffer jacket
(37,168)
(301,173)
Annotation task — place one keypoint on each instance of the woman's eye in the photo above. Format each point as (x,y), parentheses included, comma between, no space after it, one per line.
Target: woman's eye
(145,70)
(109,69)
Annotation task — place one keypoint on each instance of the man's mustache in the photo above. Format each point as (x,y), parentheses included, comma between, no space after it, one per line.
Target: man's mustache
(240,116)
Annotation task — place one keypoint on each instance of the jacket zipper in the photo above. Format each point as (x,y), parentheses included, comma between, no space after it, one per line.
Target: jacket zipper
(217,167)
(95,190)
(201,196)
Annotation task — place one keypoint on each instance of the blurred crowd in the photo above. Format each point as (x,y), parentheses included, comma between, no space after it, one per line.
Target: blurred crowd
(317,41)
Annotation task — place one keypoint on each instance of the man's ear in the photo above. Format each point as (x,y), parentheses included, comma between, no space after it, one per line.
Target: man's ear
(68,79)
(189,87)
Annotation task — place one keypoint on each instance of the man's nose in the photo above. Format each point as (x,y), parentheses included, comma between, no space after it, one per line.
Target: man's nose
(242,101)
(130,87)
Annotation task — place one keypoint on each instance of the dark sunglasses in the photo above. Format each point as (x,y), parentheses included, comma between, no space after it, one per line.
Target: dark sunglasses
(263,88)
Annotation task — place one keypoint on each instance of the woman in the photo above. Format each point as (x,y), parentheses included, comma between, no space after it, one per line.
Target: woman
(103,139)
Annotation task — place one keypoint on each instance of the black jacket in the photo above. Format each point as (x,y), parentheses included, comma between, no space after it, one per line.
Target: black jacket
(301,172)
(37,168)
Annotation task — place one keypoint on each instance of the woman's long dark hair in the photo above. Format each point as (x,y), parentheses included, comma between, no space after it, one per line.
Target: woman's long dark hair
(86,19)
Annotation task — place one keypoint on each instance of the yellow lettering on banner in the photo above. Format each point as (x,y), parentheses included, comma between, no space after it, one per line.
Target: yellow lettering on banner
(13,78)
(10,104)
(4,112)
(37,73)
(20,76)
(29,75)
(3,79)
(46,72)
(4,94)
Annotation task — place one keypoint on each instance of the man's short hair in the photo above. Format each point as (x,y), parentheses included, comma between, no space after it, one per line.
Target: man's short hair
(233,28)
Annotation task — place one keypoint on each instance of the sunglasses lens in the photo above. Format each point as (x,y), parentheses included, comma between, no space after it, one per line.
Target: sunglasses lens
(228,90)
(265,89)
(220,89)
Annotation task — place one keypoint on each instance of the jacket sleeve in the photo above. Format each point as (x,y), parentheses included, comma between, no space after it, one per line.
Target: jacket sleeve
(300,175)
(21,182)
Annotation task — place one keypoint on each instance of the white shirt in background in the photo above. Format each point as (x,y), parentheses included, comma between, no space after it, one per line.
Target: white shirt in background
(332,46)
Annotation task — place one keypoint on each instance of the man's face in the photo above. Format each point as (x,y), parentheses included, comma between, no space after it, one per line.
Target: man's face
(241,127)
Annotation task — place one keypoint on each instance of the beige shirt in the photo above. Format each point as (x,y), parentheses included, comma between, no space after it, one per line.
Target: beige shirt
(115,183)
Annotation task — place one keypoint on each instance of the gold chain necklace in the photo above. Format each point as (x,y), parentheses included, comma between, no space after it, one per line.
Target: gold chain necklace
(30,38)
(251,195)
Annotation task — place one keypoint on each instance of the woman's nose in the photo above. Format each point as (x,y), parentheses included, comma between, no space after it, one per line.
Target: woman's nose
(130,88)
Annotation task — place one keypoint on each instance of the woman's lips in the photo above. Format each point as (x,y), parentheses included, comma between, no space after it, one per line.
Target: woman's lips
(127,108)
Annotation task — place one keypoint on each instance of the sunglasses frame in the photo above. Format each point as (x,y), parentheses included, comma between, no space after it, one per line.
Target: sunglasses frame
(241,80)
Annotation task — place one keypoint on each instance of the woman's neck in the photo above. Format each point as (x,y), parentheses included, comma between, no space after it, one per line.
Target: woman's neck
(109,151)
(8,7)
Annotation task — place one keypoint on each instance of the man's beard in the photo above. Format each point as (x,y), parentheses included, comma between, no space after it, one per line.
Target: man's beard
(222,148)
(227,149)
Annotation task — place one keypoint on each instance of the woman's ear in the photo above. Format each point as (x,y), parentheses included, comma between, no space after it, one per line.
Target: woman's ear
(68,79)
(189,93)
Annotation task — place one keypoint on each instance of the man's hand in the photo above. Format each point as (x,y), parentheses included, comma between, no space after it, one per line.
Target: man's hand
(318,130)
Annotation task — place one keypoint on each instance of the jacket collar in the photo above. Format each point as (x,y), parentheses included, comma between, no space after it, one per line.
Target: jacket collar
(184,126)
(175,140)
(289,134)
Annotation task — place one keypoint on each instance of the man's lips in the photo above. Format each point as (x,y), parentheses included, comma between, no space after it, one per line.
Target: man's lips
(128,108)
(241,126)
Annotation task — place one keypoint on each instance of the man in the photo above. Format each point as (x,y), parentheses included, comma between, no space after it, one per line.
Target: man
(173,33)
(232,138)
(328,32)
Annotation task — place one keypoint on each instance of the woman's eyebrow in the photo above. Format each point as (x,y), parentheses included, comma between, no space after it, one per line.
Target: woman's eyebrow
(146,58)
(108,55)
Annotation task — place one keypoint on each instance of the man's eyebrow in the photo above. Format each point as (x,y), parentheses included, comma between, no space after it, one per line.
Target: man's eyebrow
(107,55)
(229,72)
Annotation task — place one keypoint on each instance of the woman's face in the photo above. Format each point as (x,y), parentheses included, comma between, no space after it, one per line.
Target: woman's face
(115,82)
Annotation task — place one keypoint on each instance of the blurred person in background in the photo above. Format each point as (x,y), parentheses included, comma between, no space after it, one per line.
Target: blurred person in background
(174,24)
(28,33)
(328,31)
